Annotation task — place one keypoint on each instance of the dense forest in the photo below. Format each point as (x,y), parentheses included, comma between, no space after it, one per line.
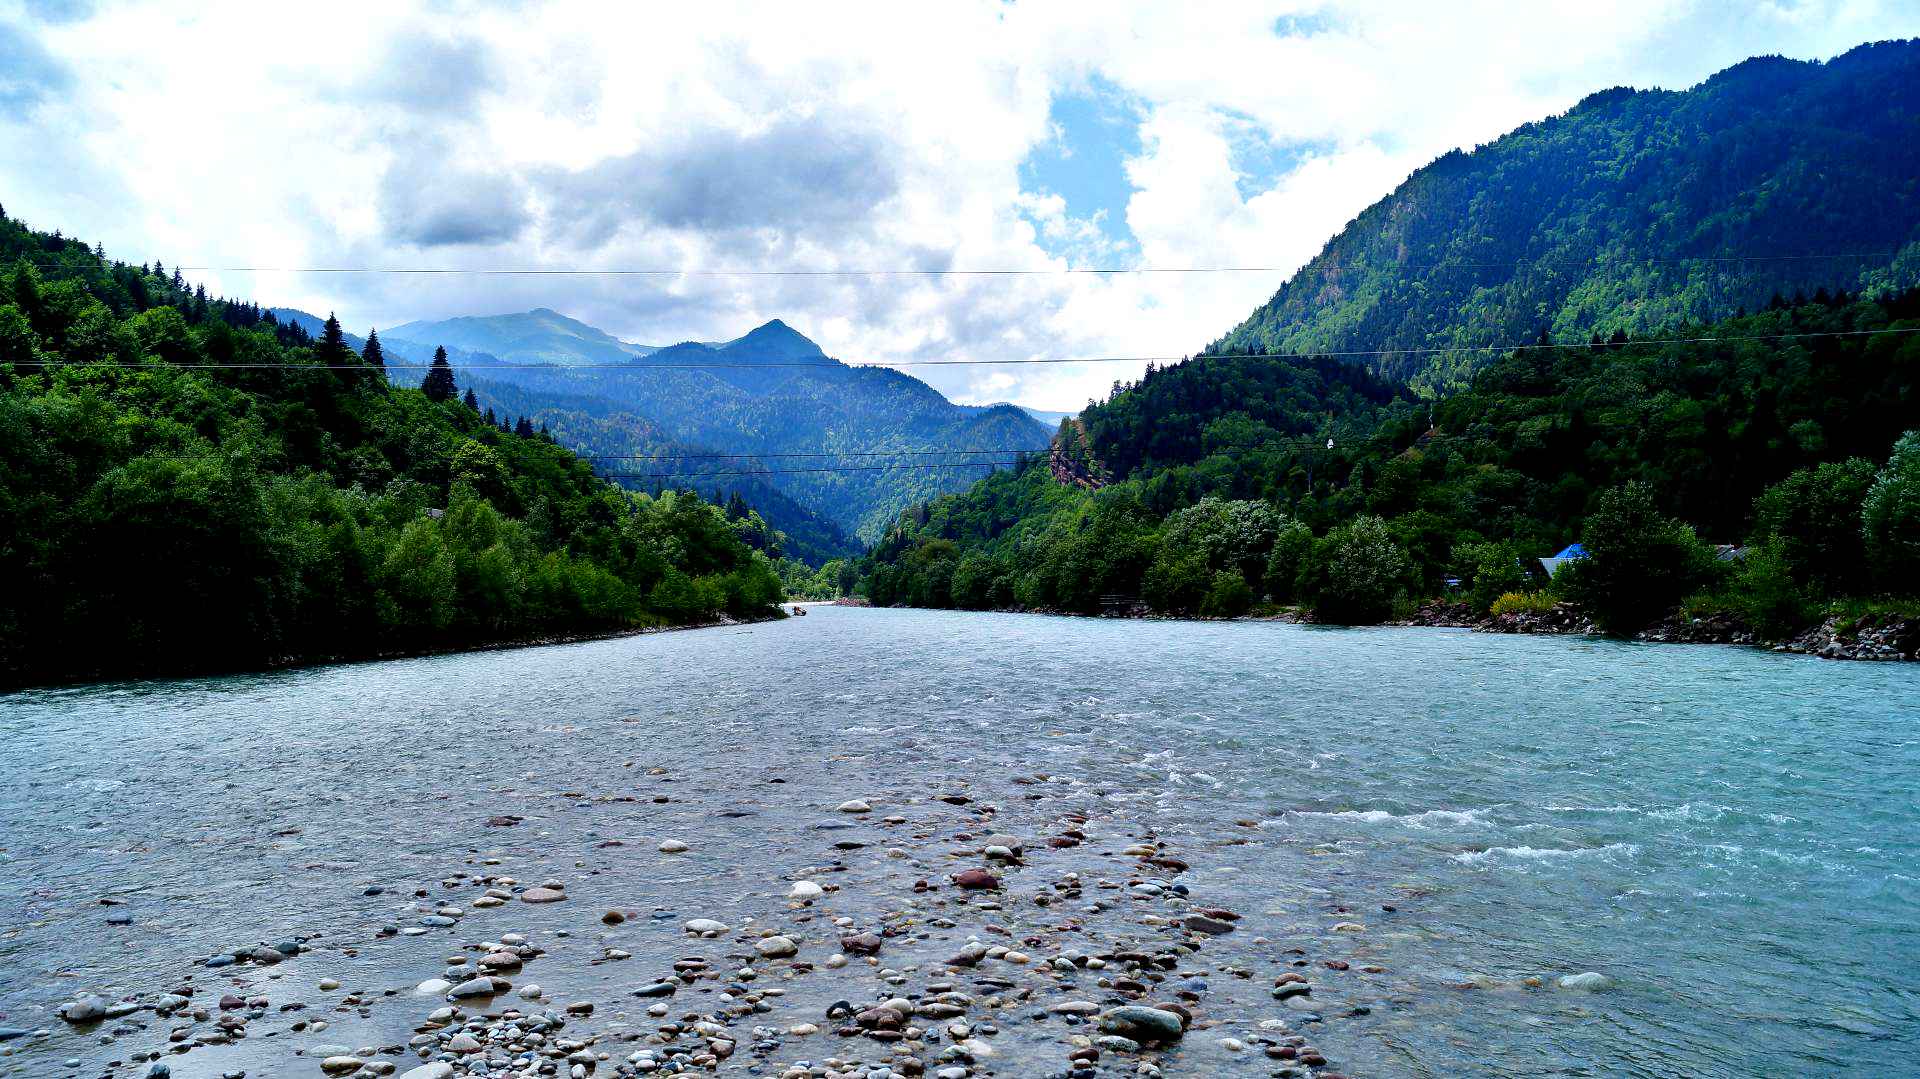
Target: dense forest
(189,483)
(1634,212)
(1217,485)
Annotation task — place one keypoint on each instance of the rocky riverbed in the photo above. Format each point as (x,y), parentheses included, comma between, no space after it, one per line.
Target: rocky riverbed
(872,843)
(933,933)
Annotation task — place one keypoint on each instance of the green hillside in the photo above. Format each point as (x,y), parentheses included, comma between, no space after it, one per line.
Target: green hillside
(1781,435)
(1634,212)
(190,484)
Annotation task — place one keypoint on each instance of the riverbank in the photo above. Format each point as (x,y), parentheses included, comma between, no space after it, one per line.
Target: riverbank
(289,663)
(1882,637)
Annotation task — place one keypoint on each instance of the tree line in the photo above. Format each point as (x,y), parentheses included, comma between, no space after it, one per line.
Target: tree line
(189,484)
(1771,474)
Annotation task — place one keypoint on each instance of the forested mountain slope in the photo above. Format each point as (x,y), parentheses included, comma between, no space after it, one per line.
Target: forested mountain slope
(822,429)
(635,453)
(1636,211)
(1776,434)
(188,483)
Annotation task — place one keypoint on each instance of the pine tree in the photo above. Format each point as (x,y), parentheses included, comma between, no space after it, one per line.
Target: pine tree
(492,421)
(470,400)
(375,356)
(525,428)
(333,342)
(438,385)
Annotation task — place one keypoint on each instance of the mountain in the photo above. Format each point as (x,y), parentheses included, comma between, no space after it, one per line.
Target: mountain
(168,510)
(537,336)
(1213,483)
(1043,416)
(314,325)
(855,445)
(603,432)
(1634,212)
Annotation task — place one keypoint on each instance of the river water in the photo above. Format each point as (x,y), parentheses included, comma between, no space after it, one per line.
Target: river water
(1731,837)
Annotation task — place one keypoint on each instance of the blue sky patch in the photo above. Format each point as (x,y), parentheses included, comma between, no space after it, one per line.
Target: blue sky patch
(1095,130)
(1302,24)
(1258,161)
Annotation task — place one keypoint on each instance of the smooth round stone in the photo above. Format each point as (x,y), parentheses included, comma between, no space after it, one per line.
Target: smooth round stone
(805,889)
(1142,1024)
(439,1069)
(432,987)
(542,894)
(855,806)
(776,947)
(704,926)
(672,846)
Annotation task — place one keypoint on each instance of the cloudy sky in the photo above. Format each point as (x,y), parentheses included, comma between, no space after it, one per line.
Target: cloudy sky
(717,137)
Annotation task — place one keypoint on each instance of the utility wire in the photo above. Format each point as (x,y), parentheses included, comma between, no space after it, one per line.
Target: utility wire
(795,471)
(1041,271)
(640,364)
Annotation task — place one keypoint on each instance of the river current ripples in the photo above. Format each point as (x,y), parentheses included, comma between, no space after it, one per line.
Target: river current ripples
(1730,837)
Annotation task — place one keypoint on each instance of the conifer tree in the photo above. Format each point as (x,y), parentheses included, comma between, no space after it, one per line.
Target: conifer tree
(525,428)
(438,385)
(333,342)
(375,356)
(470,400)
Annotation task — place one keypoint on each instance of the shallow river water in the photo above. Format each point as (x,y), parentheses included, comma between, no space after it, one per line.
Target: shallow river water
(1730,837)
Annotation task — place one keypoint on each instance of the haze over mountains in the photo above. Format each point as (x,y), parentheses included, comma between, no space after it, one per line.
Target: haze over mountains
(847,448)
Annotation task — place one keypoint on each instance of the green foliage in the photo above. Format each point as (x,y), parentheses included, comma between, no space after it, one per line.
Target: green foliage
(1814,515)
(1357,573)
(1507,473)
(1229,596)
(1177,582)
(1765,592)
(1521,603)
(164,516)
(1890,519)
(1488,571)
(1639,562)
(1594,222)
(1292,546)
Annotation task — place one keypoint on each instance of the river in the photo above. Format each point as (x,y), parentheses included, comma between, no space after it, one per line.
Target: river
(1729,837)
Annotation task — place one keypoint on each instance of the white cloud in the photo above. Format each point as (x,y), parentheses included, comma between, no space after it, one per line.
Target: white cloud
(734,135)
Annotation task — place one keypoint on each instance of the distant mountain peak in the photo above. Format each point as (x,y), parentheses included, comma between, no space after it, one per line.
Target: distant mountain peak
(775,340)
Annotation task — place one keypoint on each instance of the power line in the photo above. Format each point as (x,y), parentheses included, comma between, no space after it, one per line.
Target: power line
(639,363)
(796,471)
(818,453)
(1025,271)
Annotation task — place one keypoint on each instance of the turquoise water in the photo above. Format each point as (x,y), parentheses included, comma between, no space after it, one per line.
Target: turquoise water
(1732,837)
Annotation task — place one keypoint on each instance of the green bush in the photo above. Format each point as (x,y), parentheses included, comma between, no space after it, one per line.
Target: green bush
(1890,519)
(1489,571)
(1292,546)
(1358,573)
(1177,582)
(1765,595)
(1521,603)
(1639,562)
(1229,596)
